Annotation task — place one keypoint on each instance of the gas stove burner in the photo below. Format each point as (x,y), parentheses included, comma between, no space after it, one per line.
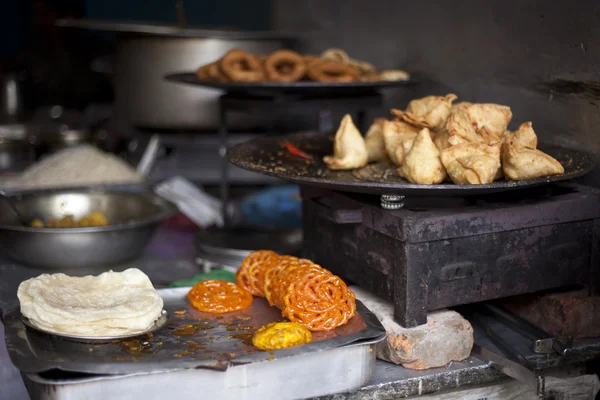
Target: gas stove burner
(227,247)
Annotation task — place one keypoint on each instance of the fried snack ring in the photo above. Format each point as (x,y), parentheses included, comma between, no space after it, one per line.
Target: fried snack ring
(240,66)
(215,73)
(216,297)
(319,301)
(202,73)
(308,58)
(272,287)
(280,335)
(332,71)
(273,270)
(284,66)
(211,72)
(291,274)
(251,275)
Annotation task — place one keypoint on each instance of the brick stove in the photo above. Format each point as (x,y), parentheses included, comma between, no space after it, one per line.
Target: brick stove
(440,252)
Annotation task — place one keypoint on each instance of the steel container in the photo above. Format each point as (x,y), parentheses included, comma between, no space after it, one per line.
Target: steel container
(133,217)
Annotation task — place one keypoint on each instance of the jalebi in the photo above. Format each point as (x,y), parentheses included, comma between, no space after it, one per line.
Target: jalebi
(319,301)
(218,297)
(251,275)
(290,275)
(305,292)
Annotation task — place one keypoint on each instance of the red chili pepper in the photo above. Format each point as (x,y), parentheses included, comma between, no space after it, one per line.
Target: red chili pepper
(295,151)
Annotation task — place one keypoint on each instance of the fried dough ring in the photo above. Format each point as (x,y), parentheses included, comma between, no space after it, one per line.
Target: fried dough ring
(289,275)
(241,66)
(211,72)
(202,73)
(332,71)
(305,292)
(272,276)
(215,73)
(319,301)
(216,297)
(308,58)
(251,275)
(284,66)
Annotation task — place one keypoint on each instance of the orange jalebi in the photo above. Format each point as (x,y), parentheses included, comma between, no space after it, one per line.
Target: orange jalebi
(305,292)
(218,297)
(319,301)
(290,275)
(251,275)
(272,288)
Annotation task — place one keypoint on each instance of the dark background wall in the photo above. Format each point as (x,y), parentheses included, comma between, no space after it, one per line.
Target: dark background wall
(542,58)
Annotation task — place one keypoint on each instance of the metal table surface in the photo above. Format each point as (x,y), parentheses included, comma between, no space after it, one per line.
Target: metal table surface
(170,256)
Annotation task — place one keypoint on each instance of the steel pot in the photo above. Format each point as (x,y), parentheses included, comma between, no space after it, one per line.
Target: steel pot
(146,53)
(143,97)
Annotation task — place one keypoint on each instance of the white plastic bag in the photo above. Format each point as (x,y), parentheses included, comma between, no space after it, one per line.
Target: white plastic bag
(203,209)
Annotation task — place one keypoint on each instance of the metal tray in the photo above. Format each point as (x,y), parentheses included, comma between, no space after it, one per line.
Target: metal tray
(310,375)
(267,155)
(206,341)
(158,324)
(284,88)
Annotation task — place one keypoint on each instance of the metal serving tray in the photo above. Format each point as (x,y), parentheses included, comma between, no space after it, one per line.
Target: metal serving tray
(190,340)
(305,88)
(307,375)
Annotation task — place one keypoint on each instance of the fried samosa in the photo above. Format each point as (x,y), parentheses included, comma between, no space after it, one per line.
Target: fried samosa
(428,112)
(349,148)
(422,164)
(441,138)
(374,141)
(521,160)
(489,119)
(398,137)
(459,106)
(472,163)
(461,130)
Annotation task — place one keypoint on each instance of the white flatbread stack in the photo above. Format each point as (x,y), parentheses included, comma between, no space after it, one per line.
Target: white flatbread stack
(110,304)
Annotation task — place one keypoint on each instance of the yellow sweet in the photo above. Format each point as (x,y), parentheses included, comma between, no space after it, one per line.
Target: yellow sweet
(280,335)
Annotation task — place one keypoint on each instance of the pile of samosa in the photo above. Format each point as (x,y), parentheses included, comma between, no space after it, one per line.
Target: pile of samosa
(434,140)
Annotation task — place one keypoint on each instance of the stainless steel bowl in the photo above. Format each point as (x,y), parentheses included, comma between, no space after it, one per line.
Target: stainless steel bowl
(133,217)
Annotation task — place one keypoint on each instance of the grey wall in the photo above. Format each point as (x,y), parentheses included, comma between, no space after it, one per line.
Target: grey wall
(540,57)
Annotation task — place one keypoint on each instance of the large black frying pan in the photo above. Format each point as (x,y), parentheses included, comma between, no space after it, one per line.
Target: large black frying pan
(268,155)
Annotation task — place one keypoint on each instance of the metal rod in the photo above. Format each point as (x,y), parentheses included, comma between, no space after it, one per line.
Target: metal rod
(542,341)
(360,121)
(224,184)
(497,340)
(521,326)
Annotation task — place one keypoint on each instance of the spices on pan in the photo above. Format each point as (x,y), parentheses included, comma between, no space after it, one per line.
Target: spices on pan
(295,151)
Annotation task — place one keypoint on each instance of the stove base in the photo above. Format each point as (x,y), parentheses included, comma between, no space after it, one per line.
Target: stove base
(561,314)
(442,255)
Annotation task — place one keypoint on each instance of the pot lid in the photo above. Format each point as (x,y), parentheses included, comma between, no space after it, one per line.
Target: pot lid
(166,30)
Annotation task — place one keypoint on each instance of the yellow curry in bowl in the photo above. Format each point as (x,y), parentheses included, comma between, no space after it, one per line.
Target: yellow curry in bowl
(94,219)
